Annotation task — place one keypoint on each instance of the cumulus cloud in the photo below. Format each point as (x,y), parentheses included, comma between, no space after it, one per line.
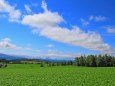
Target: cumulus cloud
(43,20)
(49,23)
(14,14)
(75,37)
(27,8)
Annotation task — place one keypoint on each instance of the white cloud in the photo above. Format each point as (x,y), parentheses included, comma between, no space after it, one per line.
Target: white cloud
(34,4)
(27,8)
(109,52)
(53,51)
(51,54)
(97,18)
(3,16)
(110,30)
(84,22)
(28,45)
(42,20)
(75,37)
(40,54)
(100,18)
(14,15)
(6,40)
(91,18)
(63,53)
(5,44)
(44,6)
(50,45)
(64,56)
(48,22)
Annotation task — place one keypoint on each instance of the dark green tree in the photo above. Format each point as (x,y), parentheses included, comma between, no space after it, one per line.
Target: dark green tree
(1,65)
(100,61)
(82,61)
(95,61)
(41,65)
(77,61)
(91,61)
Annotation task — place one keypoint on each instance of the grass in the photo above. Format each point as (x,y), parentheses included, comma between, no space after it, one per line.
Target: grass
(34,75)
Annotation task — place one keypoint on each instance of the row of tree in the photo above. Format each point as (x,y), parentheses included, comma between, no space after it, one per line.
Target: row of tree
(95,61)
(50,64)
(64,63)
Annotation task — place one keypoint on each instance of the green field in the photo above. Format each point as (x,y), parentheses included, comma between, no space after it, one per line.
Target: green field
(34,75)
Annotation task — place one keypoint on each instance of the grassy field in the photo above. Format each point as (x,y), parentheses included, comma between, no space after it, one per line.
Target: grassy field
(34,75)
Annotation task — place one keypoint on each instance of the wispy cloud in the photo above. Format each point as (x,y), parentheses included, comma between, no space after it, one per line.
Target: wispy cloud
(84,22)
(27,8)
(43,54)
(34,4)
(110,29)
(92,18)
(100,18)
(110,52)
(97,18)
(49,45)
(28,45)
(3,16)
(14,14)
(5,44)
(6,40)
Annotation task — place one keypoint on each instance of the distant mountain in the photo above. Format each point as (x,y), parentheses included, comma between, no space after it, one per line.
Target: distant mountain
(13,57)
(9,57)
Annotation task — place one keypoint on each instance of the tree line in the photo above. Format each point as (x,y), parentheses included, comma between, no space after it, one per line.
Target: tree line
(89,61)
(62,63)
(95,61)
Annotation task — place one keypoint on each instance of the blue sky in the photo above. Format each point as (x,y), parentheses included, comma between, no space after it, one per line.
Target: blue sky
(60,29)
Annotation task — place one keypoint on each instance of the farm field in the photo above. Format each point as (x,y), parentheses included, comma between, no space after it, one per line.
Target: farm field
(34,75)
